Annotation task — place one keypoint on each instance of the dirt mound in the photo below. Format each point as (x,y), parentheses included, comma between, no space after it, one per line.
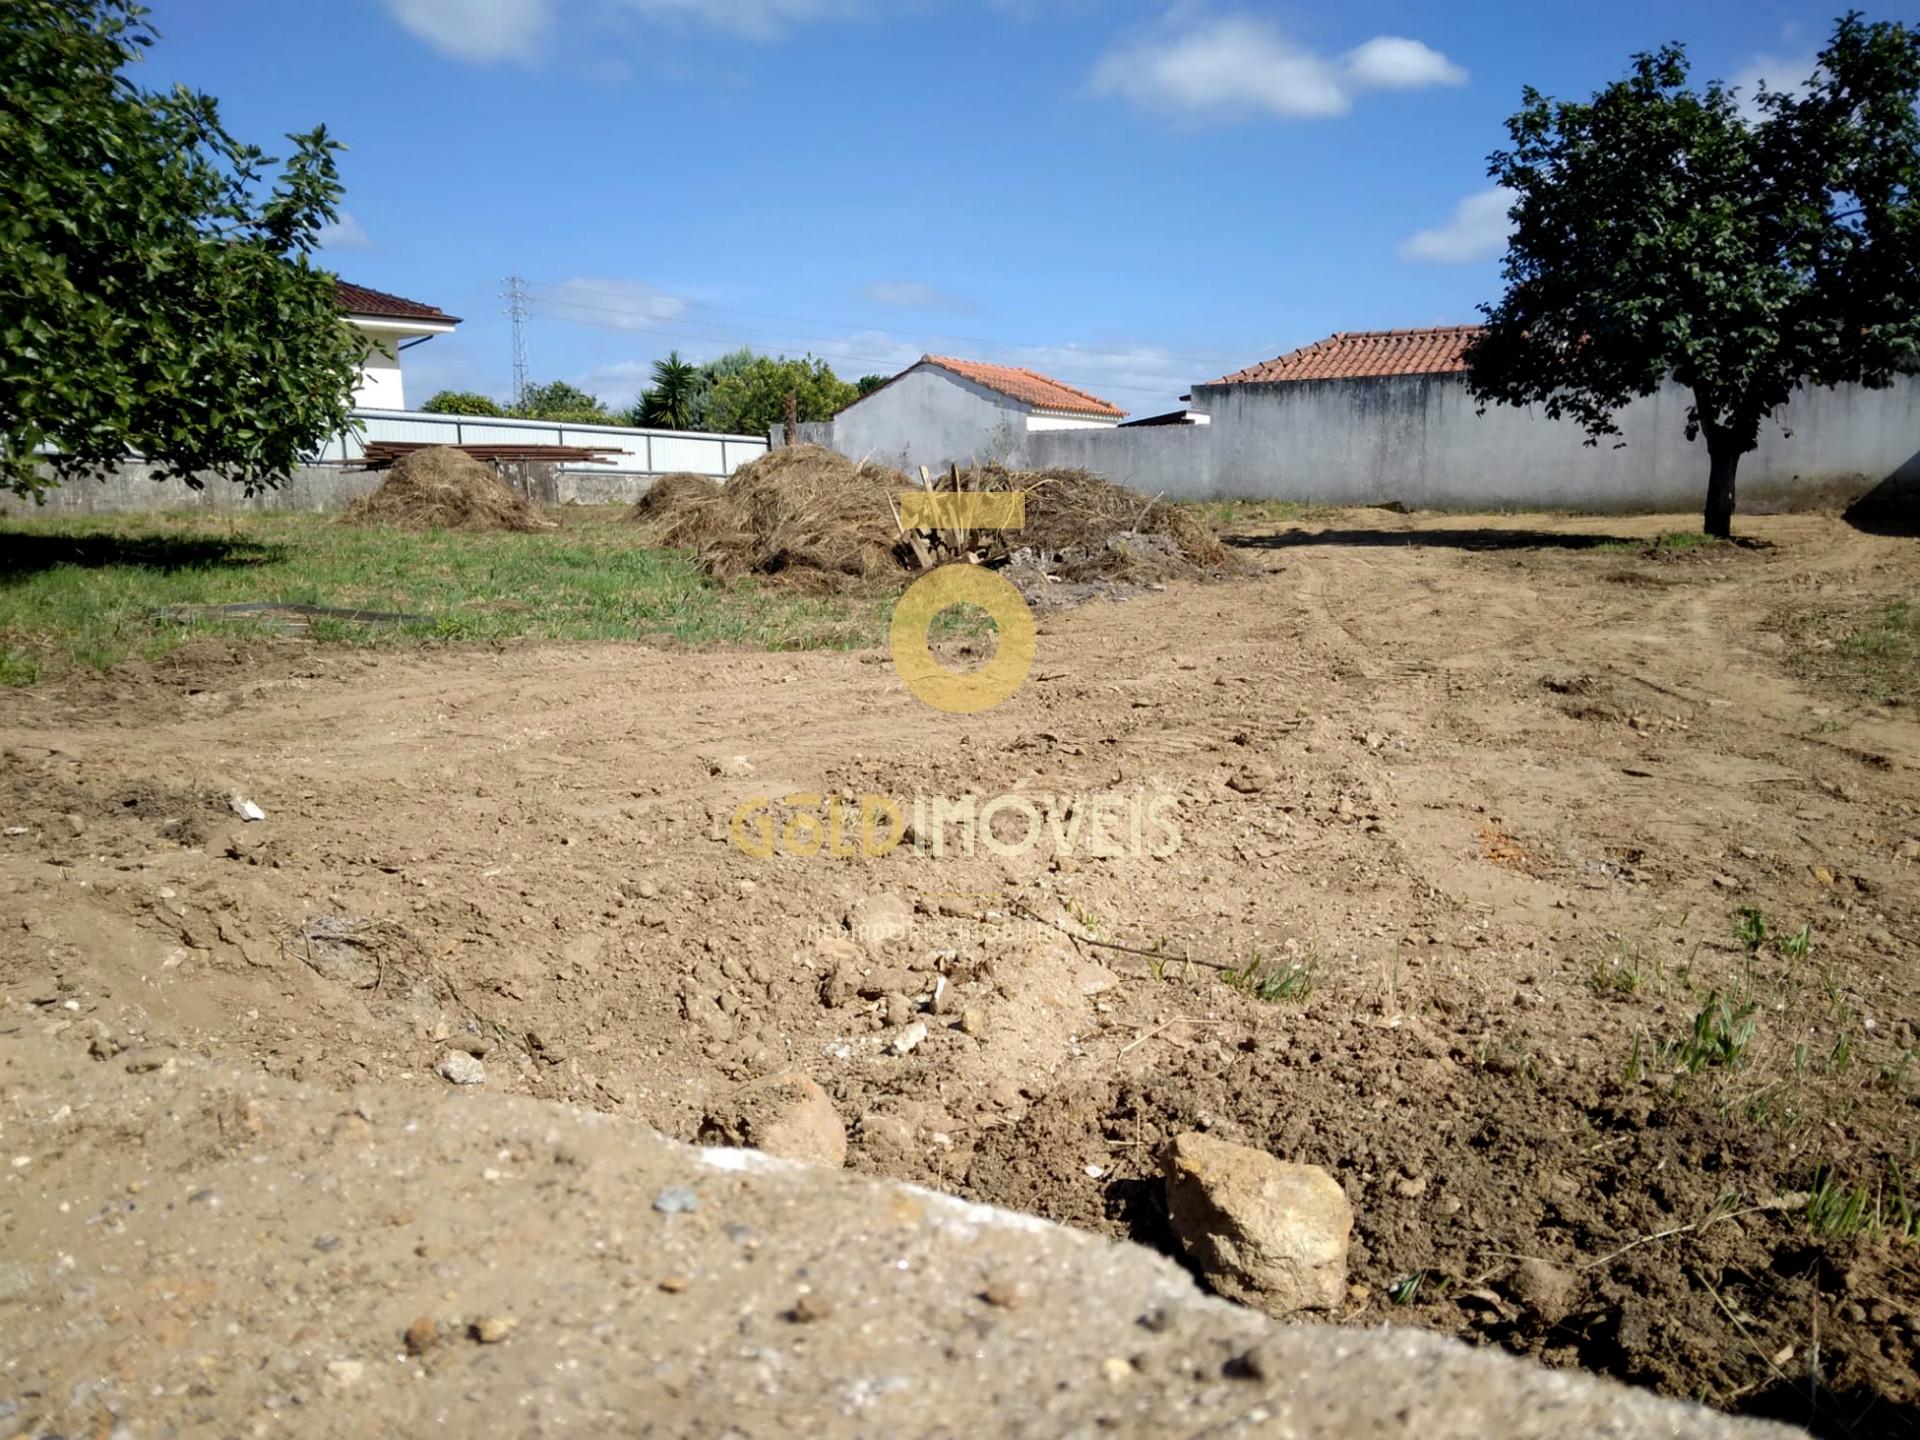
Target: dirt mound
(443,489)
(815,519)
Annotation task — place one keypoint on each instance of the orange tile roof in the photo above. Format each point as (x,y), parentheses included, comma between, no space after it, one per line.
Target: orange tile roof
(1354,354)
(379,305)
(1029,387)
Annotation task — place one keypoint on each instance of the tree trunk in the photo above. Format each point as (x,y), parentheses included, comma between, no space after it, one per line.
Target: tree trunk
(1725,454)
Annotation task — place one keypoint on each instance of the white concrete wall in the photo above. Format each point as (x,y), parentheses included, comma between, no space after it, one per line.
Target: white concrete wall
(634,451)
(380,386)
(1041,420)
(927,416)
(1419,440)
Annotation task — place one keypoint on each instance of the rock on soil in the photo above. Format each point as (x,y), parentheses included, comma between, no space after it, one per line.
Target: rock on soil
(526,1225)
(457,1067)
(787,1115)
(1271,1234)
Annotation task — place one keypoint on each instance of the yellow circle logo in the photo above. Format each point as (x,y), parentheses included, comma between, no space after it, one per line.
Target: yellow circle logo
(926,677)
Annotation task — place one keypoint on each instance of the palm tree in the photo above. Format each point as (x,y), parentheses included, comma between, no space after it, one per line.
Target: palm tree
(669,401)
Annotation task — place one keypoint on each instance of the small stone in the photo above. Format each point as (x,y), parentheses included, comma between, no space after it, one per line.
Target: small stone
(1910,849)
(1544,1288)
(492,1329)
(346,1372)
(77,825)
(457,1067)
(1823,875)
(880,920)
(1117,1370)
(1250,779)
(908,1040)
(673,1284)
(737,766)
(1411,1188)
(244,807)
(1265,1361)
(1004,1293)
(900,1010)
(422,1335)
(676,1200)
(1264,1232)
(973,1021)
(809,1309)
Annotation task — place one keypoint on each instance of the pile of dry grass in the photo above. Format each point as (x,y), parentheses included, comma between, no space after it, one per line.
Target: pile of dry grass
(443,489)
(811,519)
(804,515)
(672,492)
(1087,528)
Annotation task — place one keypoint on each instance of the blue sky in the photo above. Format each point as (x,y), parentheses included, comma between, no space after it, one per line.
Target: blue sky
(1130,197)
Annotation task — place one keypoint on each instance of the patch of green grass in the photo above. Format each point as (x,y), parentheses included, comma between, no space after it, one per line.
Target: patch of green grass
(82,592)
(1837,1211)
(1629,967)
(1291,983)
(1717,1039)
(1886,654)
(1719,1036)
(1668,542)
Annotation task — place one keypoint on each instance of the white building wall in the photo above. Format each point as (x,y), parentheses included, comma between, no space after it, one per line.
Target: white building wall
(380,386)
(928,416)
(1046,420)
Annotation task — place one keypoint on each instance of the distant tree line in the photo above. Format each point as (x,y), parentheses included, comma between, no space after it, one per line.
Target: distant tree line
(741,393)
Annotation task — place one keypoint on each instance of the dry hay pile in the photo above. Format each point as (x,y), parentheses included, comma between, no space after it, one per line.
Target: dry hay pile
(812,519)
(1081,527)
(672,492)
(443,489)
(804,515)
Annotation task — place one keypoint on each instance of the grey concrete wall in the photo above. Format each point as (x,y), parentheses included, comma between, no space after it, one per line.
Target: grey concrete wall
(1419,440)
(311,489)
(925,417)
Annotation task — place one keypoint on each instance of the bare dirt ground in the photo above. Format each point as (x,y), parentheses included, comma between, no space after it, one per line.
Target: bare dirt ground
(1479,799)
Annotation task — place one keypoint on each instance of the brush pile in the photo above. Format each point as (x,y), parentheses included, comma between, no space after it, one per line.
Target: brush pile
(810,519)
(444,489)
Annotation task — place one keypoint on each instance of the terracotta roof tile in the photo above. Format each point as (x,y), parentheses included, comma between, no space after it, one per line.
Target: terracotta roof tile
(377,304)
(1029,387)
(1354,354)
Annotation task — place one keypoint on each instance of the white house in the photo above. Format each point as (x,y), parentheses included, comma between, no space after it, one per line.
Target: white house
(392,324)
(941,409)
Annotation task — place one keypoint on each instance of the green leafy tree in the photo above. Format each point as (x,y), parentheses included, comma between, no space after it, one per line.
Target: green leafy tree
(1659,232)
(752,399)
(463,402)
(669,401)
(711,374)
(156,289)
(867,384)
(557,400)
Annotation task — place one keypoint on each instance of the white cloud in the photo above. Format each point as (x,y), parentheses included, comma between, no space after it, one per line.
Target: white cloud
(617,304)
(477,30)
(913,295)
(488,31)
(1477,229)
(1238,63)
(1778,72)
(346,233)
(1390,62)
